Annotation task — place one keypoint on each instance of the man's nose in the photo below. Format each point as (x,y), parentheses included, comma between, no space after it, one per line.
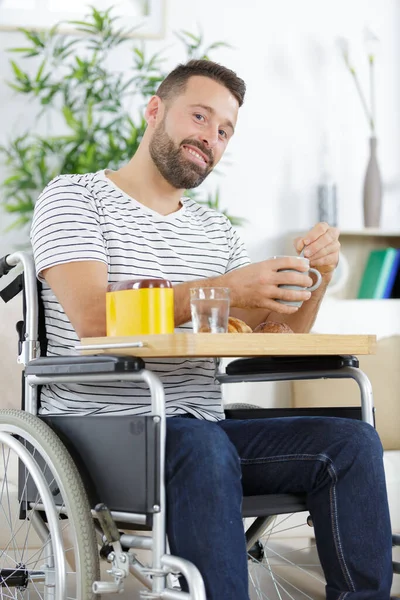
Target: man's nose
(210,137)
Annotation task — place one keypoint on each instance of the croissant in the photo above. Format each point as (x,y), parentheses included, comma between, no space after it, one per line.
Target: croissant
(238,326)
(273,327)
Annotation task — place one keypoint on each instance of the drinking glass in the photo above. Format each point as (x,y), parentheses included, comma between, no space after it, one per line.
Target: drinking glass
(210,309)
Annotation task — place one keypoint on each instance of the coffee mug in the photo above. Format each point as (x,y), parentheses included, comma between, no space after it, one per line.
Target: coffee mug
(299,287)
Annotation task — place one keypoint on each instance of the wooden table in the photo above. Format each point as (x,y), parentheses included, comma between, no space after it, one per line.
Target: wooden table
(192,345)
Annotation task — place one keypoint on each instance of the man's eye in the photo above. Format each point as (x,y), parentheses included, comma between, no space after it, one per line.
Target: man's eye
(223,133)
(199,117)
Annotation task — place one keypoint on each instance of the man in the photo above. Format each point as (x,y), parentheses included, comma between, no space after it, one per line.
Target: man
(95,229)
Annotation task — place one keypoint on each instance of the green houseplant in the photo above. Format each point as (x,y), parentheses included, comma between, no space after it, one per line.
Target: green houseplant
(99,111)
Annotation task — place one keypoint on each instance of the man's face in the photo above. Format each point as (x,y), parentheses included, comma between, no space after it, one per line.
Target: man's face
(194,132)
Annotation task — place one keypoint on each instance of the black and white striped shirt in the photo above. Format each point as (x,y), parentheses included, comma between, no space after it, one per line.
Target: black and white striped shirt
(87,217)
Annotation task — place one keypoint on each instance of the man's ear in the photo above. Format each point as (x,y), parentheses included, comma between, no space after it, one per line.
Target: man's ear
(154,111)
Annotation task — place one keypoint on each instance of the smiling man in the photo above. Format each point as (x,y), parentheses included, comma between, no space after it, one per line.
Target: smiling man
(94,229)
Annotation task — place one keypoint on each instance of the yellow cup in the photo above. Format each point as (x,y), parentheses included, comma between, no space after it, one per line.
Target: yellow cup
(140,307)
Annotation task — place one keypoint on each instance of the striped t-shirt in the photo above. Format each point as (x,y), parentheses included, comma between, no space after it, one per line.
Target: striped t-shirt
(87,217)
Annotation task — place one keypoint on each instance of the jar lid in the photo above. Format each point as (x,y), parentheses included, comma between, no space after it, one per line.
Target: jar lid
(138,284)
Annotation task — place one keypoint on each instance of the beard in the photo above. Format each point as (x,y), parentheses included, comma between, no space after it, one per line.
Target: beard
(179,171)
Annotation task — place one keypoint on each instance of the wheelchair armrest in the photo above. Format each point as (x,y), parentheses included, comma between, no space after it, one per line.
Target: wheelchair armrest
(83,365)
(289,364)
(241,411)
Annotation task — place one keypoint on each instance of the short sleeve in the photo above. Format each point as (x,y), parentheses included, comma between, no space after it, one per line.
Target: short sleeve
(66,226)
(238,256)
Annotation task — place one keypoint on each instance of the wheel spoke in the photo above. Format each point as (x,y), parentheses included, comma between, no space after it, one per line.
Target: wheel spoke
(273,579)
(296,565)
(14,532)
(283,563)
(11,595)
(36,588)
(261,595)
(6,487)
(295,588)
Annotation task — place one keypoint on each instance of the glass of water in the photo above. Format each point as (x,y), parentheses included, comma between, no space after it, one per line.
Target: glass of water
(210,309)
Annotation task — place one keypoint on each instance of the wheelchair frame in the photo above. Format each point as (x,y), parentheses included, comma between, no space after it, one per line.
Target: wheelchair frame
(38,373)
(161,561)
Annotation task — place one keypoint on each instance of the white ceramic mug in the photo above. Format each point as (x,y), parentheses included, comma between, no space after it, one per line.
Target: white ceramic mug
(299,287)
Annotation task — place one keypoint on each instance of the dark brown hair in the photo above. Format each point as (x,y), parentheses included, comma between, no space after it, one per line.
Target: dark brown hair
(175,82)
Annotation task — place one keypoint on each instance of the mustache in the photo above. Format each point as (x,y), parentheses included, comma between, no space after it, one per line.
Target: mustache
(204,149)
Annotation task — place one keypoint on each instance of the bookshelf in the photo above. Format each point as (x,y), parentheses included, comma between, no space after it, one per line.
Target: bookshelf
(356,246)
(373,232)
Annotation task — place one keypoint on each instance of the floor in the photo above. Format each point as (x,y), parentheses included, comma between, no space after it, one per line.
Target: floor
(303,584)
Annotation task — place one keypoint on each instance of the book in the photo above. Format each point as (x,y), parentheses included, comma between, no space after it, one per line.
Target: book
(392,276)
(395,292)
(379,274)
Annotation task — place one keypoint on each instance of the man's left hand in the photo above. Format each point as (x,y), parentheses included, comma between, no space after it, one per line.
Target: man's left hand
(321,246)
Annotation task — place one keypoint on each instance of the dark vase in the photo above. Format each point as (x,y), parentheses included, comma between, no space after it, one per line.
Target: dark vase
(372,189)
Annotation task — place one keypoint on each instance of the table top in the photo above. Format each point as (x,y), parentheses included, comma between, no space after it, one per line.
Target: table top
(192,345)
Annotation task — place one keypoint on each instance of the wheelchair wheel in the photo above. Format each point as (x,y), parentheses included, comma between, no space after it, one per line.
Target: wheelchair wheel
(47,538)
(283,563)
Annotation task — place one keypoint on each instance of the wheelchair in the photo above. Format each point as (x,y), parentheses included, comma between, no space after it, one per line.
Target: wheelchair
(80,491)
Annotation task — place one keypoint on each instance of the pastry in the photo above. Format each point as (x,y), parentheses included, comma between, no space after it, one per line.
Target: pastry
(238,326)
(273,327)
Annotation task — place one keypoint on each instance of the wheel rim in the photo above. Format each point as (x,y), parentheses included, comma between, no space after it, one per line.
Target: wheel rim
(284,564)
(30,548)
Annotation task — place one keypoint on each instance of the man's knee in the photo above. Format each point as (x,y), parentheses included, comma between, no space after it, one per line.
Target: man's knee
(350,443)
(358,435)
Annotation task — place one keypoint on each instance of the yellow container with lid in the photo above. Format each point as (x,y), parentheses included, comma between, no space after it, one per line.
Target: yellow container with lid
(140,307)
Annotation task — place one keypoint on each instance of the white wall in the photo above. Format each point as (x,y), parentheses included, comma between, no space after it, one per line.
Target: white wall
(299,92)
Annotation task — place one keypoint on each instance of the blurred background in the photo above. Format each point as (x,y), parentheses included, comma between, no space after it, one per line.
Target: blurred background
(302,122)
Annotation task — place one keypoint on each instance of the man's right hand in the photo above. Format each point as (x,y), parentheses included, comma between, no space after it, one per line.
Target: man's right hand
(256,286)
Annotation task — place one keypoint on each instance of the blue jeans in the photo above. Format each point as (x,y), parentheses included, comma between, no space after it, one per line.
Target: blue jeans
(336,462)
